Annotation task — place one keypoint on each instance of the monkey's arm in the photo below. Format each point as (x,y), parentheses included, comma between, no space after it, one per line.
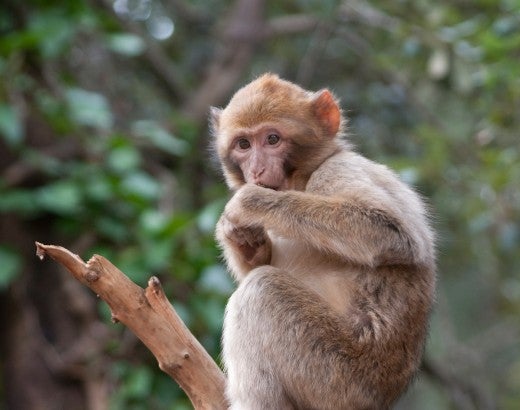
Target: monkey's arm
(244,247)
(360,232)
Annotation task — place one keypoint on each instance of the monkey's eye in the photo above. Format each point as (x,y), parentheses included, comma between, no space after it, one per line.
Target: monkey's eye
(243,143)
(272,139)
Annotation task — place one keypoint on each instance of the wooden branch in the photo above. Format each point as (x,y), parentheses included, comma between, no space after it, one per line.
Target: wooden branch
(241,35)
(291,24)
(152,318)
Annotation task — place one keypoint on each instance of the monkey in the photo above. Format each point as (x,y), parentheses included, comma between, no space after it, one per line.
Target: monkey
(333,254)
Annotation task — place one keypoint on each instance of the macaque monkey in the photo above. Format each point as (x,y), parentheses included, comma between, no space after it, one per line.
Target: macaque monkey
(333,254)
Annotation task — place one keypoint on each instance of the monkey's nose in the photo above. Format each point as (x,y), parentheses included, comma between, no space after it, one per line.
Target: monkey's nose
(258,173)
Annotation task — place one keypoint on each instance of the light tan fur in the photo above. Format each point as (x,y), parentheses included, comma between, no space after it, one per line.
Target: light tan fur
(335,263)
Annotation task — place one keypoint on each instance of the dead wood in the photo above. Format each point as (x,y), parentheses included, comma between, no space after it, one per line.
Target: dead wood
(149,314)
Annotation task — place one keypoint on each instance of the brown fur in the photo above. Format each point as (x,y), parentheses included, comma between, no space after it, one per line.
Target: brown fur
(336,263)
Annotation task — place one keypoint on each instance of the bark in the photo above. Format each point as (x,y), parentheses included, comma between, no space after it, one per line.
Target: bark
(151,317)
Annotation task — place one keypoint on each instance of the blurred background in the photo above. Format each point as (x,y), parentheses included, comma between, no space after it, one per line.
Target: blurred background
(104,149)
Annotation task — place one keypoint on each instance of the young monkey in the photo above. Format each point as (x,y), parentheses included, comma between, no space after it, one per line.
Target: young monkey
(333,254)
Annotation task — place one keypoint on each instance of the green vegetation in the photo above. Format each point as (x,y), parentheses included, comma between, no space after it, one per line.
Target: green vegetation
(104,149)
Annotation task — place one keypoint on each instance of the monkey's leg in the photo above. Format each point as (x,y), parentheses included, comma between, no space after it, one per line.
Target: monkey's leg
(285,348)
(252,383)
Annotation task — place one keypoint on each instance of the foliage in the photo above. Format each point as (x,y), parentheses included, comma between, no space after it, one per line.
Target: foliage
(97,149)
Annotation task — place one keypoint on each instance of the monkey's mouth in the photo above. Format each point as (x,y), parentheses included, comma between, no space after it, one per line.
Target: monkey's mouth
(268,186)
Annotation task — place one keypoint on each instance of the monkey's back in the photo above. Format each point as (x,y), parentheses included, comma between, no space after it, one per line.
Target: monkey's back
(384,304)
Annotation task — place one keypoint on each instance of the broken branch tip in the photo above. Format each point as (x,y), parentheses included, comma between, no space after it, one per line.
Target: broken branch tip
(154,283)
(40,250)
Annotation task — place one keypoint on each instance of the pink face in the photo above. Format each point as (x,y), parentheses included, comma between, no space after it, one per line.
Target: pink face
(261,155)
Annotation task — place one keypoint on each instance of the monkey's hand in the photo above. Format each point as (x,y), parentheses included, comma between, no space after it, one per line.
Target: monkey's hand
(245,246)
(250,204)
(252,241)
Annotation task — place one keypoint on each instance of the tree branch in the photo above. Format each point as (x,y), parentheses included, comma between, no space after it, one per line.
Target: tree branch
(151,317)
(291,24)
(244,29)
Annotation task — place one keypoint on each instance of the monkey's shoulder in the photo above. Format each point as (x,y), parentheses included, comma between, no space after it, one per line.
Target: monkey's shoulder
(349,172)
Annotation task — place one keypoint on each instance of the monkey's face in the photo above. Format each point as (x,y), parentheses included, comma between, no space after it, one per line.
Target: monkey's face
(261,156)
(266,153)
(274,134)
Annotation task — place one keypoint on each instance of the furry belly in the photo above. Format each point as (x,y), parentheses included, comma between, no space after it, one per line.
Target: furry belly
(333,279)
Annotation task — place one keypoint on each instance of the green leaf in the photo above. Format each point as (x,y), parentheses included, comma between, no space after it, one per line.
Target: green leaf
(159,137)
(20,201)
(157,254)
(98,188)
(10,265)
(52,31)
(126,44)
(124,159)
(208,217)
(88,108)
(212,311)
(139,383)
(140,185)
(10,125)
(153,221)
(112,228)
(216,279)
(62,197)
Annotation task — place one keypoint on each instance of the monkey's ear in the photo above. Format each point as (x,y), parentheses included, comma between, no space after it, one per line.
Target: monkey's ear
(327,112)
(214,119)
